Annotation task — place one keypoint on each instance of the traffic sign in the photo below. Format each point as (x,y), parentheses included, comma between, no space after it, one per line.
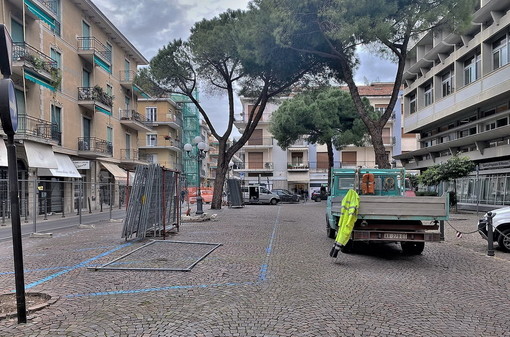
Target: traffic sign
(5,51)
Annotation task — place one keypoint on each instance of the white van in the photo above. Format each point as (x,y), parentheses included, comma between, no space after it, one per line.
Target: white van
(256,194)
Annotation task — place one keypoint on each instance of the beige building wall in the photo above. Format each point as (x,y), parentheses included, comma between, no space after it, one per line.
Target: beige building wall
(109,127)
(163,144)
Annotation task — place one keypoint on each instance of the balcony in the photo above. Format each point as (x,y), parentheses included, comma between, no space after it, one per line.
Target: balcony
(92,147)
(172,121)
(297,167)
(44,10)
(259,142)
(38,130)
(162,143)
(36,66)
(299,144)
(95,98)
(126,78)
(133,120)
(254,166)
(130,158)
(94,52)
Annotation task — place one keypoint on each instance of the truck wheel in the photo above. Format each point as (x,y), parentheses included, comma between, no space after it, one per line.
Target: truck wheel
(412,248)
(331,232)
(274,201)
(504,240)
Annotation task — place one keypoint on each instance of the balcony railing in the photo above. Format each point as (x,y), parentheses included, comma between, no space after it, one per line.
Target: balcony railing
(297,166)
(38,128)
(131,115)
(127,75)
(264,141)
(129,154)
(253,166)
(93,144)
(33,58)
(95,94)
(51,5)
(91,43)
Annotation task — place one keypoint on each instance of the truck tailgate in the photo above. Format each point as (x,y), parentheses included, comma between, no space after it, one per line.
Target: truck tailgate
(399,208)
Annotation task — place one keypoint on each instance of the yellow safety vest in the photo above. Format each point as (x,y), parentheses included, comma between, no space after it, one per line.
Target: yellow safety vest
(349,215)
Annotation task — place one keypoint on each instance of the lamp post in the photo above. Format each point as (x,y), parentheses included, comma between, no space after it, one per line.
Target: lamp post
(200,154)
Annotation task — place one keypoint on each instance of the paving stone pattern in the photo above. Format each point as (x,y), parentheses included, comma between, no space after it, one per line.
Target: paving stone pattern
(271,277)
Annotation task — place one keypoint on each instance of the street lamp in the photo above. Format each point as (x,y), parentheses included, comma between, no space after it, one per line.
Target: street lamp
(202,149)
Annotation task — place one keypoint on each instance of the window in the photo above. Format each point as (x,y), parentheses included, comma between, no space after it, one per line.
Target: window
(109,139)
(412,103)
(428,95)
(152,140)
(472,69)
(151,114)
(500,52)
(127,73)
(57,57)
(56,123)
(55,7)
(109,90)
(109,52)
(447,84)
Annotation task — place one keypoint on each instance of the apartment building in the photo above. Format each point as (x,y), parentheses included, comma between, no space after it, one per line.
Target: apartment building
(78,121)
(457,96)
(305,166)
(163,143)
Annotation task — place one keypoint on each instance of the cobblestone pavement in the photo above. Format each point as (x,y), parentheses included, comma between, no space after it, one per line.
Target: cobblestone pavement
(272,276)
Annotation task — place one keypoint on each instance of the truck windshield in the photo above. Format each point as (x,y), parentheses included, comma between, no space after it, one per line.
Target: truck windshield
(345,183)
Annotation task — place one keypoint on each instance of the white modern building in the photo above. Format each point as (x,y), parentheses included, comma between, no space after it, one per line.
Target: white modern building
(457,99)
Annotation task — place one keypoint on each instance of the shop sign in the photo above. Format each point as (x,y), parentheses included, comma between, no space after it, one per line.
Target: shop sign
(82,164)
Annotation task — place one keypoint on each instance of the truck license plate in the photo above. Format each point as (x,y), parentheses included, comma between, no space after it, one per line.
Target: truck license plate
(396,236)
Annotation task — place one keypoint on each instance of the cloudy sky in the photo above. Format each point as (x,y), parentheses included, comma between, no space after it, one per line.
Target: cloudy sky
(151,24)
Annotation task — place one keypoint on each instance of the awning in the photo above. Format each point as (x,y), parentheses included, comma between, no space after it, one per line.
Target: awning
(119,174)
(34,78)
(40,156)
(3,153)
(65,168)
(40,14)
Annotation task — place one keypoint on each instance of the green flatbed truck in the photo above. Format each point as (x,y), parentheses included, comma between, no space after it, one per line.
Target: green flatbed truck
(388,211)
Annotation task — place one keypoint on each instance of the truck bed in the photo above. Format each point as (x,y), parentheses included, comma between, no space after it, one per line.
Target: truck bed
(398,207)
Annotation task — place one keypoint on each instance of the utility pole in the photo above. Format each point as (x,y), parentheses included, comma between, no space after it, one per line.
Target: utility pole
(9,118)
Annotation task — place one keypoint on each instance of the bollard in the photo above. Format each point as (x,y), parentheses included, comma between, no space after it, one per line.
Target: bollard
(26,210)
(3,212)
(490,234)
(90,207)
(63,208)
(111,201)
(45,209)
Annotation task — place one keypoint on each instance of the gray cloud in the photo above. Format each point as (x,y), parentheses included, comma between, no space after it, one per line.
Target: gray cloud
(152,24)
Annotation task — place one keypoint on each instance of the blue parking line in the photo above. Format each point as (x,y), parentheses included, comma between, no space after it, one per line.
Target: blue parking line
(79,265)
(138,291)
(264,267)
(262,277)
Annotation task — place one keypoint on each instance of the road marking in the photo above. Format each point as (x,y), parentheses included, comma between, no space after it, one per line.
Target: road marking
(262,277)
(79,265)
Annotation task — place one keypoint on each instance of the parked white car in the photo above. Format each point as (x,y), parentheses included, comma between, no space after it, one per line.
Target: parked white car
(501,226)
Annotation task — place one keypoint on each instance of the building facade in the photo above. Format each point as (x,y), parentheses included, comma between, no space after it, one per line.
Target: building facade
(456,98)
(162,144)
(77,105)
(305,166)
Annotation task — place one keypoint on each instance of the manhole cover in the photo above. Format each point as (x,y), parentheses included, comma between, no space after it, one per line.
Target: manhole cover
(33,301)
